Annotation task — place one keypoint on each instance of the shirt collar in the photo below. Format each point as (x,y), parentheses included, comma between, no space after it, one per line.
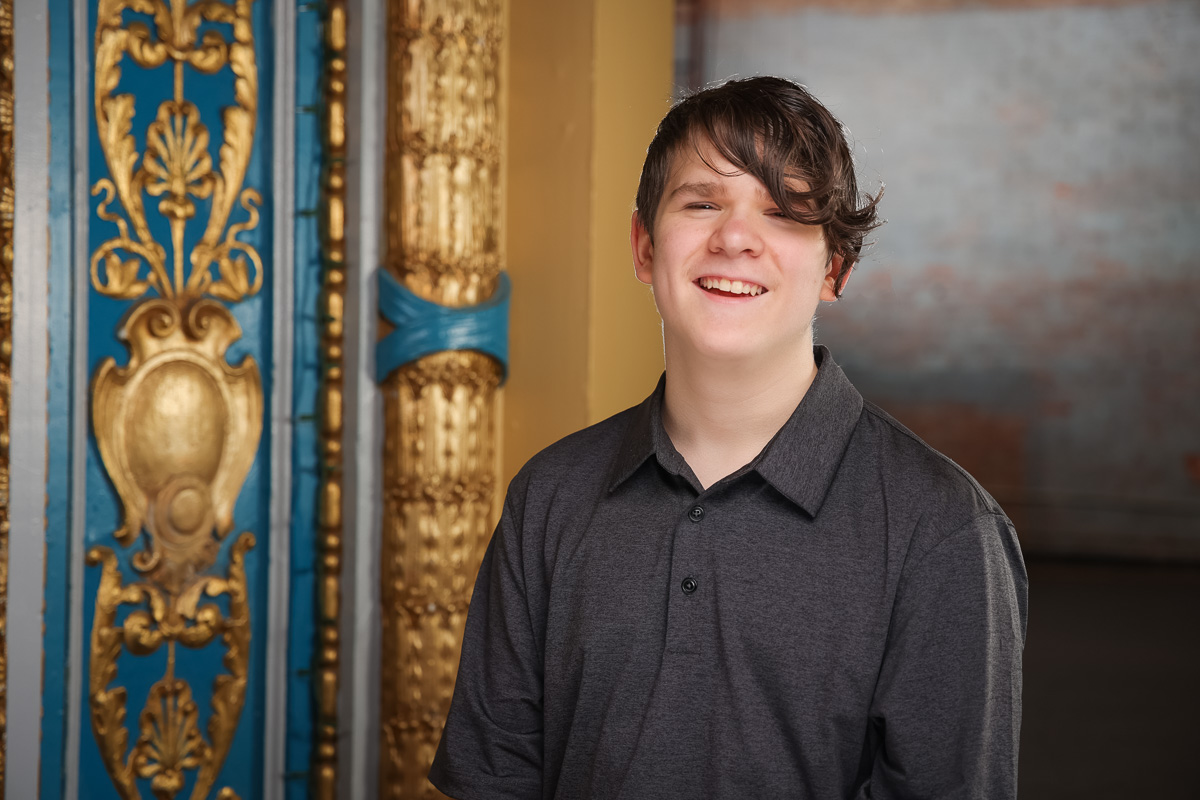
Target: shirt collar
(643,438)
(800,461)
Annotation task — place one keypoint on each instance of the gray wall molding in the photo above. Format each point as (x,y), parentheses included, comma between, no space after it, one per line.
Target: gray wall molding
(28,423)
(358,769)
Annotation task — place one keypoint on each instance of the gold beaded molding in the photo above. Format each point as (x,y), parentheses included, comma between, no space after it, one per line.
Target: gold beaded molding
(439,473)
(332,304)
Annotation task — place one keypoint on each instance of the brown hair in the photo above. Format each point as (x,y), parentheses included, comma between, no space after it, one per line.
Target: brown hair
(778,132)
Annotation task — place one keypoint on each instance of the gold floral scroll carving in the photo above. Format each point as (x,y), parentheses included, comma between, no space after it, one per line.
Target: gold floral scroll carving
(7,208)
(440,412)
(178,426)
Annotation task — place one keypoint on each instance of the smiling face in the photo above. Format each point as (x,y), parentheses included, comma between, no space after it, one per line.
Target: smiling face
(734,278)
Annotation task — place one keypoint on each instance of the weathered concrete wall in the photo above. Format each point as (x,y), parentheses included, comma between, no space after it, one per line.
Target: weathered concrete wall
(1032,306)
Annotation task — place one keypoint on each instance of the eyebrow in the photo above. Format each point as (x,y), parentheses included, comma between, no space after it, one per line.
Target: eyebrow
(698,188)
(710,189)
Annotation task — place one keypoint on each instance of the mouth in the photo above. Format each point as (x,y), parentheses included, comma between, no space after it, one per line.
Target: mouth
(728,287)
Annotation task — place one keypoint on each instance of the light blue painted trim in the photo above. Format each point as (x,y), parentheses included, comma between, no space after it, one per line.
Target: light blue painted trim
(79,411)
(424,327)
(281,418)
(306,287)
(59,775)
(366,51)
(27,412)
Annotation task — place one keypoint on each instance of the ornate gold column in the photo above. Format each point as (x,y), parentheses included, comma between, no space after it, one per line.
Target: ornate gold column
(7,207)
(439,461)
(333,295)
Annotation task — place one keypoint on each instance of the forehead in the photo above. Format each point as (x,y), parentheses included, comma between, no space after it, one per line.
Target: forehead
(698,163)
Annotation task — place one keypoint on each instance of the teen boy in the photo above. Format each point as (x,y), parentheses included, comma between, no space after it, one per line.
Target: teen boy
(754,584)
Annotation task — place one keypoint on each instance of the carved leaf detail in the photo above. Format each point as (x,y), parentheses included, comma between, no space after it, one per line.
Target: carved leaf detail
(122,277)
(235,280)
(114,123)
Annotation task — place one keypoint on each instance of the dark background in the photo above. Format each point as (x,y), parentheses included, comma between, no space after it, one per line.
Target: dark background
(1032,309)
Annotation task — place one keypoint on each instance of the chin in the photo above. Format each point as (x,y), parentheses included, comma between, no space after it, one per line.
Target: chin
(736,350)
(747,350)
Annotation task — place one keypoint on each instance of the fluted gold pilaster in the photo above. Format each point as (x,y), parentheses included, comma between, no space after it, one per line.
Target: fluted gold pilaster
(333,293)
(7,208)
(443,218)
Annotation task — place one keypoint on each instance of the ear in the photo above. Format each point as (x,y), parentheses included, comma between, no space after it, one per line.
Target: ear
(643,250)
(830,287)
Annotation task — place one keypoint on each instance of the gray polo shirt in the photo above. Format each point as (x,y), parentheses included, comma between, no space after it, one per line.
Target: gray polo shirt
(841,618)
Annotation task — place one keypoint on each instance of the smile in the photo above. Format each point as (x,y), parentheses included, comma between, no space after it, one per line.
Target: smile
(730,288)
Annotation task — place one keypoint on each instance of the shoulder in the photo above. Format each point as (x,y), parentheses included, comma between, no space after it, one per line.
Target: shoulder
(577,464)
(958,530)
(942,496)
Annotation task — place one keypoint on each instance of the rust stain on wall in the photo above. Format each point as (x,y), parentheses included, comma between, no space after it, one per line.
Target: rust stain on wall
(989,445)
(1192,463)
(1072,382)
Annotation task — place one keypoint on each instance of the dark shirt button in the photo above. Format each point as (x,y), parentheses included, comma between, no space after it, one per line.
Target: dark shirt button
(689,585)
(696,514)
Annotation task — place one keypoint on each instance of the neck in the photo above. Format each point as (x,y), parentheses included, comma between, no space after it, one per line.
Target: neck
(720,415)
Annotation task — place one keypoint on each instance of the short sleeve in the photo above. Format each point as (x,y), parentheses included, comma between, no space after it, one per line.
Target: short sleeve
(491,746)
(946,715)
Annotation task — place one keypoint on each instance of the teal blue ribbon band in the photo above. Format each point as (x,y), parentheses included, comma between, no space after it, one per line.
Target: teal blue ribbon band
(423,327)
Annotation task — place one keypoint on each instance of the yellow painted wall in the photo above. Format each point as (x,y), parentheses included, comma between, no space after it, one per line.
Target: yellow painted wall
(632,90)
(587,84)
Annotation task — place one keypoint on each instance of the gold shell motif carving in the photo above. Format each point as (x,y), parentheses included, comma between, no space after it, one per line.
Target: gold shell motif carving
(177,429)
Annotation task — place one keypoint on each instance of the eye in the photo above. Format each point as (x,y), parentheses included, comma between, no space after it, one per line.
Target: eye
(701,206)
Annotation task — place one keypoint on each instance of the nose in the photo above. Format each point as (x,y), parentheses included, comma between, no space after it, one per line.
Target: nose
(736,234)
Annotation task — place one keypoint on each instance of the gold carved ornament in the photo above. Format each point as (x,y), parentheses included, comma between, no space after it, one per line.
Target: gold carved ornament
(7,208)
(178,426)
(440,411)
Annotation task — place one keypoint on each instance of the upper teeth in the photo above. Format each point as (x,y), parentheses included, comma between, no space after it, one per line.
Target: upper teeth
(734,287)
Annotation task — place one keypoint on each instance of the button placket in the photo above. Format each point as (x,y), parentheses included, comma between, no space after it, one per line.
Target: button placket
(685,615)
(689,584)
